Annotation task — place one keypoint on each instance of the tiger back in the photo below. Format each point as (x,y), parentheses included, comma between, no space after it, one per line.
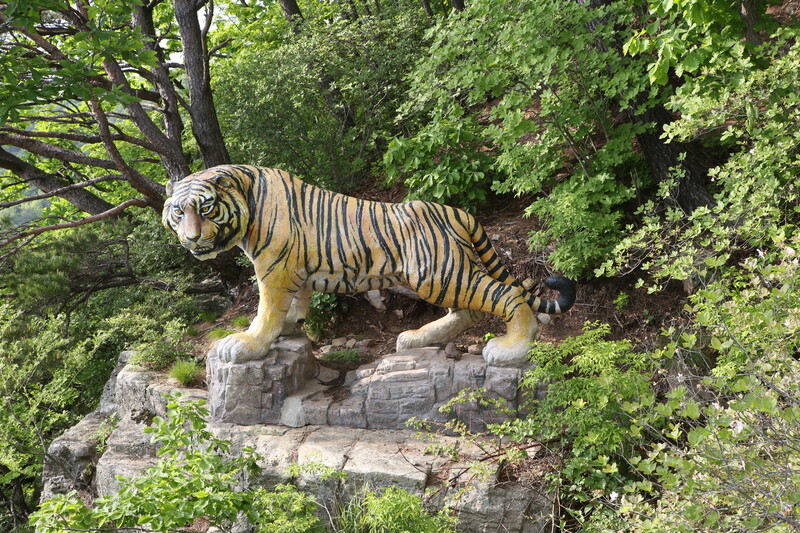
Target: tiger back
(302,239)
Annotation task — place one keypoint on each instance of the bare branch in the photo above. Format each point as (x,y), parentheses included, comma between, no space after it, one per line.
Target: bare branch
(220,46)
(78,137)
(15,250)
(138,202)
(56,192)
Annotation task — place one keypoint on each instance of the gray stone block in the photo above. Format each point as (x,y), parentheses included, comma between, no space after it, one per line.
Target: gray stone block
(254,392)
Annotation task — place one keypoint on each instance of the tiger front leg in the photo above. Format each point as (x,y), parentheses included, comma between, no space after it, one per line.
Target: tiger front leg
(273,305)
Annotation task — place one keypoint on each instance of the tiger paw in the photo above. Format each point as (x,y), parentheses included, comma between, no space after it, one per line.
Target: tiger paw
(408,340)
(240,348)
(505,351)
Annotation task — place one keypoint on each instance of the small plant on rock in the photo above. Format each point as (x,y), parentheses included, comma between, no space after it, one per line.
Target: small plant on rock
(187,372)
(241,321)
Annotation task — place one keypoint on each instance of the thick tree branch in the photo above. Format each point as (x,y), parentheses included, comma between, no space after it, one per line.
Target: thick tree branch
(152,190)
(75,223)
(46,182)
(173,122)
(172,154)
(53,152)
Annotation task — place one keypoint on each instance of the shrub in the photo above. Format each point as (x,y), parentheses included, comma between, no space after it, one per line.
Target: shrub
(193,478)
(728,460)
(157,340)
(320,314)
(286,510)
(329,98)
(391,511)
(587,417)
(539,118)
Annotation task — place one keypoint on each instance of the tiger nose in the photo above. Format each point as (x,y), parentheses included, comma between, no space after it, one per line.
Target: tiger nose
(193,238)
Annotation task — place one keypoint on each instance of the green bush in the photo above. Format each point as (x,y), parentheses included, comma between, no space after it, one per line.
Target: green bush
(286,510)
(444,162)
(391,511)
(320,314)
(586,416)
(539,118)
(321,106)
(157,340)
(192,479)
(728,460)
(195,477)
(756,198)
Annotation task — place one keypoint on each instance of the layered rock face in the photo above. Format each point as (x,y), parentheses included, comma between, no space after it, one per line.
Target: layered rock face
(280,407)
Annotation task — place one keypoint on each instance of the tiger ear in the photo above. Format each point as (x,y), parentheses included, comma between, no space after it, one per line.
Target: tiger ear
(169,187)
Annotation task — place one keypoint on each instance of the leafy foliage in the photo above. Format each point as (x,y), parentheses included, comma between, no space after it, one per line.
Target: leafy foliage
(391,511)
(320,314)
(47,381)
(194,478)
(587,414)
(757,190)
(731,456)
(527,119)
(320,106)
(287,510)
(59,342)
(197,477)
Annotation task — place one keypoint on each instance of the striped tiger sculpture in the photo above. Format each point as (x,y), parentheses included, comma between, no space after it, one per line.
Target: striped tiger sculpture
(302,239)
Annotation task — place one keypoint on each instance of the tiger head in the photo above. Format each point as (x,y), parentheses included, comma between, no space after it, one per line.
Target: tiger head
(207,211)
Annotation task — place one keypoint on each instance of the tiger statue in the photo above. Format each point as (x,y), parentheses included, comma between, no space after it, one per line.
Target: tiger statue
(302,238)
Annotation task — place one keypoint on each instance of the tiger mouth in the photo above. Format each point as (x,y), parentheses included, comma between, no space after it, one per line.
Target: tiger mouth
(202,251)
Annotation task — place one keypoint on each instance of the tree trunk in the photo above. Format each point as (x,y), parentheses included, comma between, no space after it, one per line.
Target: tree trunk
(426,5)
(173,123)
(292,12)
(205,125)
(749,11)
(688,159)
(457,5)
(80,198)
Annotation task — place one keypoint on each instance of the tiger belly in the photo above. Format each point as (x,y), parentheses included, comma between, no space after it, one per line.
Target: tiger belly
(350,282)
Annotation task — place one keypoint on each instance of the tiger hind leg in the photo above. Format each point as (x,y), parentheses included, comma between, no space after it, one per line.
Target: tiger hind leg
(298,311)
(488,295)
(442,330)
(512,348)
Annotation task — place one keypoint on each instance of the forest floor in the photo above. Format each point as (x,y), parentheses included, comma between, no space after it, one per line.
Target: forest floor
(639,319)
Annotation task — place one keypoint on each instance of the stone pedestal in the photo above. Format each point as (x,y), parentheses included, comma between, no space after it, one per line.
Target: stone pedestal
(282,389)
(254,392)
(409,384)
